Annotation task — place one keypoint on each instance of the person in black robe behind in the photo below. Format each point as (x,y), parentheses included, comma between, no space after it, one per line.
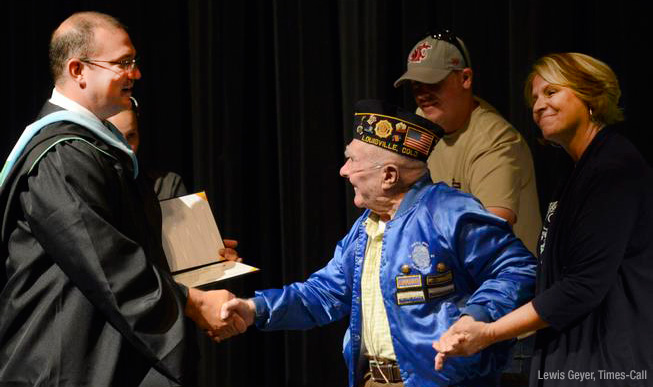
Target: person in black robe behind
(86,298)
(166,184)
(592,307)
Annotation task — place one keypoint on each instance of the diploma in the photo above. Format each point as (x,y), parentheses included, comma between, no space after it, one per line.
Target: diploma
(191,240)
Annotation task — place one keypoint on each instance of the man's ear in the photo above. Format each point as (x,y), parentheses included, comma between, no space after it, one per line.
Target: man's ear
(390,176)
(467,76)
(75,70)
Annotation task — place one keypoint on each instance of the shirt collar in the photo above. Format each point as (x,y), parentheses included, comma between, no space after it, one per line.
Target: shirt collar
(62,101)
(374,226)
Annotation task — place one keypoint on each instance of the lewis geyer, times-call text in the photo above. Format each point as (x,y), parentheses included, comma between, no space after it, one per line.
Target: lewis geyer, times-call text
(592,375)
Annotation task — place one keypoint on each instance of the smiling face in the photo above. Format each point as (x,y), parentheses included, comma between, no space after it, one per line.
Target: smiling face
(364,174)
(108,86)
(557,111)
(445,103)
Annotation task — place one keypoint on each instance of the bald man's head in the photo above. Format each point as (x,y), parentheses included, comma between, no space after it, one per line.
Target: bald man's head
(74,38)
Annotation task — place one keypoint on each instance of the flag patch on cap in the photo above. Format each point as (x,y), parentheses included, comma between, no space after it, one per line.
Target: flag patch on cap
(418,140)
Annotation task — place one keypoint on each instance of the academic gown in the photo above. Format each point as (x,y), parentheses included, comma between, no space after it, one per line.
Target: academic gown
(87,299)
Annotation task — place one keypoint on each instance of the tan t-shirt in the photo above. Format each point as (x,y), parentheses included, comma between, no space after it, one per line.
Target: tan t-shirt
(490,159)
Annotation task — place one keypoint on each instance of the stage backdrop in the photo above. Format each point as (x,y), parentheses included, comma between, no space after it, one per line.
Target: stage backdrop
(252,101)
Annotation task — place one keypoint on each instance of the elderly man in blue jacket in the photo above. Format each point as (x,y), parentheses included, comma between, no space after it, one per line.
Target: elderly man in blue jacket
(420,256)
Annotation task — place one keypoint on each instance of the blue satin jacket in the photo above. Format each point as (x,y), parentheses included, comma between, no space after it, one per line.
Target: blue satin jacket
(443,255)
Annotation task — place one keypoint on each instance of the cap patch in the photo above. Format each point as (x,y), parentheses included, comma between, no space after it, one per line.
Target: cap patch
(418,140)
(419,53)
(383,129)
(395,129)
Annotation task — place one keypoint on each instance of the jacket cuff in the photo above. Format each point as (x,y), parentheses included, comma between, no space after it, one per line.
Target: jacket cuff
(478,312)
(262,311)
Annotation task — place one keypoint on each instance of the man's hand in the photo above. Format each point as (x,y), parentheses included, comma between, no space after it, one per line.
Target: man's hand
(203,307)
(464,338)
(229,251)
(239,307)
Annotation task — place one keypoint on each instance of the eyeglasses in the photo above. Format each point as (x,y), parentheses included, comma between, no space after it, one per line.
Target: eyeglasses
(448,36)
(124,65)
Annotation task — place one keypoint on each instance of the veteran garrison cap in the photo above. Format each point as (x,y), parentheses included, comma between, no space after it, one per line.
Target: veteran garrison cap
(434,57)
(393,128)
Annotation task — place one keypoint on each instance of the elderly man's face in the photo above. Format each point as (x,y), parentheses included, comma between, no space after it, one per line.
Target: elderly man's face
(364,174)
(109,85)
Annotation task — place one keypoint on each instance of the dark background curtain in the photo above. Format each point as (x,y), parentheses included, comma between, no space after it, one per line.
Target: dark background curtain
(252,102)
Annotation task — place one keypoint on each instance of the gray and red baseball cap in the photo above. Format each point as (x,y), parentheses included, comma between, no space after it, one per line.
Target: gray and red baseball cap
(434,57)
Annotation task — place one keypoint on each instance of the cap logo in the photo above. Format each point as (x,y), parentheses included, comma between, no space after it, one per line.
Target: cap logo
(383,129)
(419,53)
(455,61)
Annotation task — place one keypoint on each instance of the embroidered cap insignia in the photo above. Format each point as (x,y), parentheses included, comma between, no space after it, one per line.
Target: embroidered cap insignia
(383,129)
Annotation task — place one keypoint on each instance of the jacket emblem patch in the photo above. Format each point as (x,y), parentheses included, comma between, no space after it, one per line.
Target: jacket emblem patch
(421,256)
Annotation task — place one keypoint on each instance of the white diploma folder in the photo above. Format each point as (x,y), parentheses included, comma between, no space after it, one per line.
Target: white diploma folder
(191,241)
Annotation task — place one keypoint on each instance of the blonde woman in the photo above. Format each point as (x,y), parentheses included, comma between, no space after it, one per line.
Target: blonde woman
(592,309)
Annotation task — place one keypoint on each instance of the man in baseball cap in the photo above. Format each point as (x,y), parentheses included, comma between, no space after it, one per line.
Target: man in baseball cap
(481,153)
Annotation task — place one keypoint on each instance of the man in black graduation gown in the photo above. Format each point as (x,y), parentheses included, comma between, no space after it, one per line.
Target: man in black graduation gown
(86,298)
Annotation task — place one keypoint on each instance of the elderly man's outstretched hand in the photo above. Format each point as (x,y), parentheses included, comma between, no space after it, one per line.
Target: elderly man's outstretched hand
(204,307)
(245,309)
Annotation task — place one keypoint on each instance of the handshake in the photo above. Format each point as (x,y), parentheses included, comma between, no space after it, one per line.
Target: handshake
(219,313)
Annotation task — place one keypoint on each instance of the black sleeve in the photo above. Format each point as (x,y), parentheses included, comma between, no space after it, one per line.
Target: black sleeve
(169,185)
(605,218)
(72,207)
